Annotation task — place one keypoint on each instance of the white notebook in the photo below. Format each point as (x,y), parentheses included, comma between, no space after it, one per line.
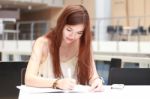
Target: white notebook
(78,88)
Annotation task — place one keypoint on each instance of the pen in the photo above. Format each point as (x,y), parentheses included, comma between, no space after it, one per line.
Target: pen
(69,73)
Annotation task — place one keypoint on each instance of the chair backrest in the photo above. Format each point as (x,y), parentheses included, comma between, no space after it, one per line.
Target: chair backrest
(129,76)
(110,29)
(149,29)
(10,74)
(23,71)
(119,29)
(142,30)
(115,63)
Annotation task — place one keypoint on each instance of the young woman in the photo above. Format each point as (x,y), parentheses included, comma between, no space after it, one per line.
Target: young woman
(63,57)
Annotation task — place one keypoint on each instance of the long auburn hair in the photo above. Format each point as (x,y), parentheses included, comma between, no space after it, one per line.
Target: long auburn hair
(73,15)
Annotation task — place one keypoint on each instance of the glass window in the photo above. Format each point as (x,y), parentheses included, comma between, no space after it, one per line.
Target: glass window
(10,57)
(24,57)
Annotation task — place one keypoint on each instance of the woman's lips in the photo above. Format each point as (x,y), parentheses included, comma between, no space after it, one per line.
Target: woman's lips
(69,39)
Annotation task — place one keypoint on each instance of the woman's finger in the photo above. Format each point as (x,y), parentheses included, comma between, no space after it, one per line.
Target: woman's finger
(99,88)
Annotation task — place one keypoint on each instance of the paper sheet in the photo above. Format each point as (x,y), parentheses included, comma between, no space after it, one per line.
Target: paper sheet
(78,88)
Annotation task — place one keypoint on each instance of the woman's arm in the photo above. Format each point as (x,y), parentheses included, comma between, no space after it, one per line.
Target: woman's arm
(38,55)
(95,82)
(95,74)
(31,78)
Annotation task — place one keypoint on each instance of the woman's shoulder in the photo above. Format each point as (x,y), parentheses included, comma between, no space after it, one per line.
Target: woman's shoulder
(42,40)
(43,44)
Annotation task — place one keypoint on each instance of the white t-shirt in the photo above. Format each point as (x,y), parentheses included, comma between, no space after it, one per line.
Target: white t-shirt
(68,68)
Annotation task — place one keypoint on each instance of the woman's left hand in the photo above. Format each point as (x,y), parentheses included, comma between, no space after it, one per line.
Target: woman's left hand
(97,85)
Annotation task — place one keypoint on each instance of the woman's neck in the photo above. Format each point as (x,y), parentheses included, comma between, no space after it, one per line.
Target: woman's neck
(69,46)
(67,51)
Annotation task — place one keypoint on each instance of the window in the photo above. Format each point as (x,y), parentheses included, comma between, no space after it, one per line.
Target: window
(10,57)
(24,57)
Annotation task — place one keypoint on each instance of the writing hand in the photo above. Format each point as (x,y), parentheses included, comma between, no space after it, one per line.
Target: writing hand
(66,84)
(97,85)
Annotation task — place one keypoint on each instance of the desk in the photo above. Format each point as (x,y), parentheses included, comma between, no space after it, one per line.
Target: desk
(128,92)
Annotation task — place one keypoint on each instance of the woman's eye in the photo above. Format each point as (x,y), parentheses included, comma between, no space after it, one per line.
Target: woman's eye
(80,33)
(69,30)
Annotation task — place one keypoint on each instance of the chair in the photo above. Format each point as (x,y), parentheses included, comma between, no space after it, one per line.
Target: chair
(142,30)
(10,77)
(119,29)
(134,32)
(23,71)
(115,63)
(111,29)
(149,29)
(129,76)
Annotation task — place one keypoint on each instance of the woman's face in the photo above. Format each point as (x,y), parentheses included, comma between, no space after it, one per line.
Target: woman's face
(72,33)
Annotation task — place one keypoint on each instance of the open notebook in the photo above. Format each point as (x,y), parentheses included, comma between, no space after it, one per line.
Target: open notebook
(78,88)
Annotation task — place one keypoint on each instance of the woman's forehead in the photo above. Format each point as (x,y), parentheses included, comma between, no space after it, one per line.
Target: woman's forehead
(78,26)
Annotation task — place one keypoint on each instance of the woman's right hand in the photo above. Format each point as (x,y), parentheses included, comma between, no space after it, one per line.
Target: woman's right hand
(66,83)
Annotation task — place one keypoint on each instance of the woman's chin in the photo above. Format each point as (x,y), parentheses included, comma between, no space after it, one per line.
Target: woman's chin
(68,42)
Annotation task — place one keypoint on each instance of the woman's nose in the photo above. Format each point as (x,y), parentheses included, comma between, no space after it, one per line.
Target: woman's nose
(72,35)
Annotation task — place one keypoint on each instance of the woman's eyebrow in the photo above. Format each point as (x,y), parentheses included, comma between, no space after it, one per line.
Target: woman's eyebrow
(80,31)
(72,28)
(69,27)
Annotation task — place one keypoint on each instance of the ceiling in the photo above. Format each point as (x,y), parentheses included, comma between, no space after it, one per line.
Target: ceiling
(23,6)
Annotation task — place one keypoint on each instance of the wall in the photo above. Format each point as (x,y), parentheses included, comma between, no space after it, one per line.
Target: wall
(52,13)
(9,14)
(147,12)
(36,15)
(119,10)
(89,5)
(128,8)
